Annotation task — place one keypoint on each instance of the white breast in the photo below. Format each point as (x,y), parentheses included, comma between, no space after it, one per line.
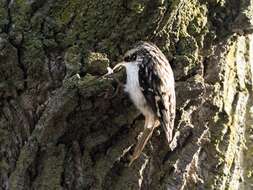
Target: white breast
(133,88)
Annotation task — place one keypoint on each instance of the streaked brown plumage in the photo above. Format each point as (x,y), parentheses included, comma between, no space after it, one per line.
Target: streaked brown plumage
(150,85)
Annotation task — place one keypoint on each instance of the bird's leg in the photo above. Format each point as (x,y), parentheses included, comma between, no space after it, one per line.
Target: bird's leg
(149,126)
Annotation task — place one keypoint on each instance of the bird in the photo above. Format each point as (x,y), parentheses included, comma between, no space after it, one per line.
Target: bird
(151,87)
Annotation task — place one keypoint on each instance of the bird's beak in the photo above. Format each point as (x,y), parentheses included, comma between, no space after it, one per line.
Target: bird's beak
(110,70)
(119,65)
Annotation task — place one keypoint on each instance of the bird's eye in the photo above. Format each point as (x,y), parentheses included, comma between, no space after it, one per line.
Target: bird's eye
(130,58)
(133,57)
(127,59)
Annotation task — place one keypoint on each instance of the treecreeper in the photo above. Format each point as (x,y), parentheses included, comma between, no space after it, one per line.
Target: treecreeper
(151,87)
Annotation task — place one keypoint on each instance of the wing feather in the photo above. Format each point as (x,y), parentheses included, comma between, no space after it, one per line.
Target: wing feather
(157,83)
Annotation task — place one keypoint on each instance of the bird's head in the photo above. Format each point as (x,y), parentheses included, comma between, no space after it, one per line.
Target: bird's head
(141,54)
(144,52)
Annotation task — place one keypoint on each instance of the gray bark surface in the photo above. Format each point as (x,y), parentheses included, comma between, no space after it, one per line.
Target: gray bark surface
(59,131)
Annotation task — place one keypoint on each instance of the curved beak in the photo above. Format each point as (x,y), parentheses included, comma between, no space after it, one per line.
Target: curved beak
(110,70)
(119,65)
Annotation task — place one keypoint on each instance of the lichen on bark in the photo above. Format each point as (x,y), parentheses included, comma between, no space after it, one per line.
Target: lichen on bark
(61,125)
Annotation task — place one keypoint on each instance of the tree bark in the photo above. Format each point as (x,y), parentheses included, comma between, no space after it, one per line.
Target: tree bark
(62,131)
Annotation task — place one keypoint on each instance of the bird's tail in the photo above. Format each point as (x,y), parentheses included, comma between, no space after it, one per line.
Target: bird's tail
(168,132)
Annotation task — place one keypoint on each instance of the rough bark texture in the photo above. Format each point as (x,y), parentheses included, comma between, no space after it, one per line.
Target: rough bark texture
(58,131)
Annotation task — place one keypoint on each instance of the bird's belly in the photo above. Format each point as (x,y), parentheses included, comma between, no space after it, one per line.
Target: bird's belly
(133,88)
(137,97)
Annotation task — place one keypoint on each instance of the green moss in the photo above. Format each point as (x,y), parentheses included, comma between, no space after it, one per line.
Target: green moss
(64,11)
(97,63)
(20,14)
(26,158)
(71,83)
(91,85)
(193,17)
(72,59)
(88,80)
(3,16)
(198,26)
(51,174)
(187,37)
(187,64)
(74,27)
(4,166)
(137,6)
(33,57)
(5,137)
(120,120)
(187,45)
(131,111)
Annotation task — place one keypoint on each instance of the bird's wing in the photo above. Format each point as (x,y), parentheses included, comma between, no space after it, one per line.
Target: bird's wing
(157,83)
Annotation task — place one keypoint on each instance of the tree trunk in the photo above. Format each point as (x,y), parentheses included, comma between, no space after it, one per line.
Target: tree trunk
(62,131)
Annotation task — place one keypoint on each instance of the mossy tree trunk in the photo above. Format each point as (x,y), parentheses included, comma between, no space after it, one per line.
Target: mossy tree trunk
(59,131)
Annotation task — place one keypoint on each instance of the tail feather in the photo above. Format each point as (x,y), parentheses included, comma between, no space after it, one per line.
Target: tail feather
(168,133)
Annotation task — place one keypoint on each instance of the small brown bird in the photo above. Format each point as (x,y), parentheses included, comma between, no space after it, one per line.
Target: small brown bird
(150,85)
